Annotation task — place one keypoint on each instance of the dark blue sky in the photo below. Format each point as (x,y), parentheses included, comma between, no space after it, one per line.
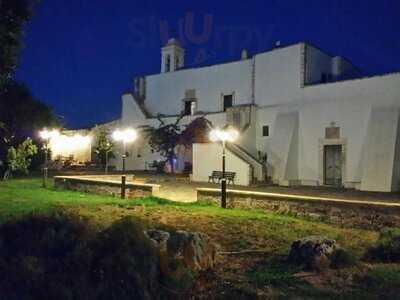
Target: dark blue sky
(80,55)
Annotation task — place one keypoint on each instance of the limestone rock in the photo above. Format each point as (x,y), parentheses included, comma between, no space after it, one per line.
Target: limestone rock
(313,252)
(191,250)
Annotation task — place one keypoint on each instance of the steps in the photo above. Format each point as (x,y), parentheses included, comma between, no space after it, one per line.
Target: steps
(259,169)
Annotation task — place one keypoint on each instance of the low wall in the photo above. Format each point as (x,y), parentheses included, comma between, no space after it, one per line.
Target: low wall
(105,186)
(347,213)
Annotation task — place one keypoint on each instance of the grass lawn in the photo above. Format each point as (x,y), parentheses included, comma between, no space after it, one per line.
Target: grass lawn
(21,196)
(232,229)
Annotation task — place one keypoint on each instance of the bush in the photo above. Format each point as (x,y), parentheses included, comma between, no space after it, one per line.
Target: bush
(36,252)
(387,248)
(383,278)
(341,258)
(62,257)
(124,264)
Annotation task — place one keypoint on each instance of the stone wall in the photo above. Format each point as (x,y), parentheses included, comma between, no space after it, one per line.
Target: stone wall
(106,187)
(347,213)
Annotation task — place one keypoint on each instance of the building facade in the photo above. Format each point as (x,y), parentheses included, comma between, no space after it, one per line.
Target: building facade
(305,117)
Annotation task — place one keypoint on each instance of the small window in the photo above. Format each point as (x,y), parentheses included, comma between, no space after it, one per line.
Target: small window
(228,101)
(190,94)
(265,130)
(332,132)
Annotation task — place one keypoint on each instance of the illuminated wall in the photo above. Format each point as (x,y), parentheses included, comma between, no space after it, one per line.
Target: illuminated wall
(77,145)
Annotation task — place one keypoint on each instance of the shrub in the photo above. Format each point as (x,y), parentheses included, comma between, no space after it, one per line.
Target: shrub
(62,257)
(341,258)
(36,252)
(387,248)
(124,264)
(19,159)
(383,278)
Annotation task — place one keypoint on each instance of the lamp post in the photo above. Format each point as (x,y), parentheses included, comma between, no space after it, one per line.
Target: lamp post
(46,135)
(125,136)
(107,151)
(224,136)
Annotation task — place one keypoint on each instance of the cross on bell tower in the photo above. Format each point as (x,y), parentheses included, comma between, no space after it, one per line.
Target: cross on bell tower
(172,56)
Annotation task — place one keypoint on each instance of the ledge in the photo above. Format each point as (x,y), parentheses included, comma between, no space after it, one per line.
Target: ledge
(108,186)
(290,197)
(87,179)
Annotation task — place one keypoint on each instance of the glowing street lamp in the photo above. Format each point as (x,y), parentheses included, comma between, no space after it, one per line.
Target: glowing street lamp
(224,136)
(125,136)
(46,135)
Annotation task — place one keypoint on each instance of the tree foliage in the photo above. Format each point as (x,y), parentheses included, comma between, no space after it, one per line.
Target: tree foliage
(21,116)
(21,113)
(19,159)
(166,137)
(13,16)
(104,146)
(195,132)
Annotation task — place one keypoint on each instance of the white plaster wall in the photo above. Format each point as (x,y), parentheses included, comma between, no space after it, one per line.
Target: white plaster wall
(351,117)
(347,70)
(396,166)
(317,63)
(278,76)
(380,150)
(131,112)
(281,142)
(348,104)
(283,146)
(166,91)
(208,158)
(247,136)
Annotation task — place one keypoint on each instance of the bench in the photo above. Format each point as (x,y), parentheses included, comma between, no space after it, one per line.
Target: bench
(230,176)
(150,165)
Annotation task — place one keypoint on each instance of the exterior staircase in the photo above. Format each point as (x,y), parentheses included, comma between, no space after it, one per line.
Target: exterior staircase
(258,169)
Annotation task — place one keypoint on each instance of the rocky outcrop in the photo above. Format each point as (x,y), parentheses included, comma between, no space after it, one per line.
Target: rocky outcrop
(314,252)
(183,250)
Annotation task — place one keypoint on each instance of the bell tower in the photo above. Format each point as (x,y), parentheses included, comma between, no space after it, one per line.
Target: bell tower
(172,56)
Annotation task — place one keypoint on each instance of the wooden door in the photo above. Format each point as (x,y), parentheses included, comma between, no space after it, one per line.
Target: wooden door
(333,165)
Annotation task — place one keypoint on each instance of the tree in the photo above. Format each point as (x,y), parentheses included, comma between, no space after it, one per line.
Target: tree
(21,113)
(14,127)
(166,137)
(13,16)
(195,132)
(21,116)
(104,147)
(19,159)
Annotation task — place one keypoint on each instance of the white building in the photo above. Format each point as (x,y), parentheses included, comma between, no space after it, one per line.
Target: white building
(318,122)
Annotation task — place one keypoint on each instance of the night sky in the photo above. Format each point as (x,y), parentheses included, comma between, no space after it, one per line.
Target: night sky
(81,55)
